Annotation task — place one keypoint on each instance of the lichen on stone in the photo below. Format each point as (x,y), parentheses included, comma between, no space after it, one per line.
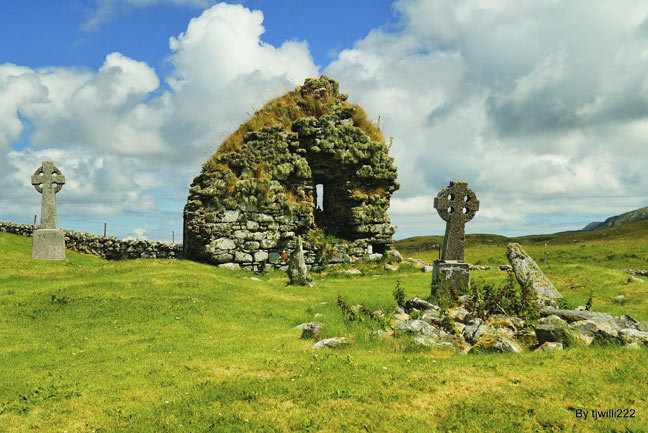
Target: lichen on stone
(268,170)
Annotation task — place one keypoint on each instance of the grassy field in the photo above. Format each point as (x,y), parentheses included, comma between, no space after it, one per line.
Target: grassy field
(174,346)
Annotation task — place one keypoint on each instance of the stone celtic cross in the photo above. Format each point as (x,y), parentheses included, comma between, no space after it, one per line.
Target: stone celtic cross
(456,205)
(47,175)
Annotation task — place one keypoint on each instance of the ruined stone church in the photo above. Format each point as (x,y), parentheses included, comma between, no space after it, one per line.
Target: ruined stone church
(308,163)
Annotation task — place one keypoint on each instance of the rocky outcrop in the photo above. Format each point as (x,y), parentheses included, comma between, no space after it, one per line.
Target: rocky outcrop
(109,248)
(529,274)
(259,190)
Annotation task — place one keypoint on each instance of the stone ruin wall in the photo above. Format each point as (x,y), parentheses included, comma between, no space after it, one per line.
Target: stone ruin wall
(109,248)
(248,204)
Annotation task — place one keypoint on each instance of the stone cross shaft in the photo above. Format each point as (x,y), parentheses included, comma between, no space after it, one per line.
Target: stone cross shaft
(47,175)
(456,205)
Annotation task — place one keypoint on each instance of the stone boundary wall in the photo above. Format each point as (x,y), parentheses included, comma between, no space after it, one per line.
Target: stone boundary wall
(109,248)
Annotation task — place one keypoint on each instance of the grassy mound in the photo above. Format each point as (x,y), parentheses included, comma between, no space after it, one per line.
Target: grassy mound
(165,346)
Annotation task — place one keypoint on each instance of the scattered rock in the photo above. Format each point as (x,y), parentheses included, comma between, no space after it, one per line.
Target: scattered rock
(310,329)
(419,304)
(391,268)
(600,332)
(553,329)
(496,343)
(330,342)
(420,328)
(459,314)
(230,266)
(474,331)
(505,268)
(351,271)
(633,336)
(393,256)
(641,272)
(528,273)
(427,269)
(632,278)
(549,346)
(634,345)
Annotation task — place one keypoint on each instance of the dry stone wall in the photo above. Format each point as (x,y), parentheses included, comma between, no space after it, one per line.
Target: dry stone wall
(109,248)
(250,201)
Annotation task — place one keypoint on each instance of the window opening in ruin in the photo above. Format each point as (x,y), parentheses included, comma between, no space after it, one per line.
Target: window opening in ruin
(319,196)
(378,248)
(322,212)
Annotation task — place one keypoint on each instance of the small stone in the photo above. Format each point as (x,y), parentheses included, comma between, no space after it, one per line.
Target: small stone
(419,304)
(310,329)
(549,346)
(427,268)
(231,266)
(390,268)
(459,314)
(351,271)
(330,342)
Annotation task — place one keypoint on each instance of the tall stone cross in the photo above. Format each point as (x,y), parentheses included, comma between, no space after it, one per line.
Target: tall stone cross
(47,175)
(456,205)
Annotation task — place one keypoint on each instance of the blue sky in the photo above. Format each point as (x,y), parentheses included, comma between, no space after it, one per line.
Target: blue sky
(541,106)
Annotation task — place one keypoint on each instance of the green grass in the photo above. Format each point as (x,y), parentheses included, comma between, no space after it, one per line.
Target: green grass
(165,346)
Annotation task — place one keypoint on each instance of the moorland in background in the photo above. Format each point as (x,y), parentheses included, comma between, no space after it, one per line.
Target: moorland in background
(154,345)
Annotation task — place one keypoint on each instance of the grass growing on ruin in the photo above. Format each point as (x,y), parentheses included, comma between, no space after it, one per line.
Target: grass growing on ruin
(284,110)
(164,346)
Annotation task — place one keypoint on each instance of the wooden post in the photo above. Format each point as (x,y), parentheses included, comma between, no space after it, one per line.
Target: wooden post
(172,237)
(105,230)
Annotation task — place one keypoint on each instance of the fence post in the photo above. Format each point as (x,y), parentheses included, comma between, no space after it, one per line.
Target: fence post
(105,230)
(172,237)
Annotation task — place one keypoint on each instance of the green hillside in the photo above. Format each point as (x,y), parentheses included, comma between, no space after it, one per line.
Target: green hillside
(620,220)
(176,346)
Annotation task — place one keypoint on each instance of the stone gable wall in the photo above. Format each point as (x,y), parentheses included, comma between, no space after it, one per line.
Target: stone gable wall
(249,203)
(109,248)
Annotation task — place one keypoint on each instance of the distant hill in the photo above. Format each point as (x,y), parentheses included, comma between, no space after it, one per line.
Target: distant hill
(619,220)
(634,230)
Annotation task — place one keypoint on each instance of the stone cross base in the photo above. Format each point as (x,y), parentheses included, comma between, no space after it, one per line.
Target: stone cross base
(48,244)
(455,275)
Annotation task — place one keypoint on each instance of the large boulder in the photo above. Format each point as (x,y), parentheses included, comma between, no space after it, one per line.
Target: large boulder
(553,329)
(529,274)
(595,331)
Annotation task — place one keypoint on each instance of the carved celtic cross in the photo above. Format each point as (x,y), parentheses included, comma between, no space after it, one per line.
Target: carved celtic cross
(456,204)
(47,175)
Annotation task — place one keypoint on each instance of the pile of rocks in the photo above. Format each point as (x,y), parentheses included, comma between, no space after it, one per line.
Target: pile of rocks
(425,324)
(109,248)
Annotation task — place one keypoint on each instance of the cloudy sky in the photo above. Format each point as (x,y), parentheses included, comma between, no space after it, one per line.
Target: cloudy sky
(541,106)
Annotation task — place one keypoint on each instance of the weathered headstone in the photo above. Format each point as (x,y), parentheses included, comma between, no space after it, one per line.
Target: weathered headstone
(456,205)
(48,242)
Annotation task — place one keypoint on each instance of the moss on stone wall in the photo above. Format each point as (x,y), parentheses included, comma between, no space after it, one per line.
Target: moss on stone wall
(271,165)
